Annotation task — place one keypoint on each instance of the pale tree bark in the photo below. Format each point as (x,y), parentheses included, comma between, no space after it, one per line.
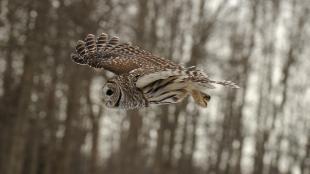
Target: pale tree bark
(182,159)
(65,156)
(305,166)
(19,130)
(52,125)
(8,98)
(242,45)
(265,105)
(95,119)
(163,162)
(131,154)
(46,110)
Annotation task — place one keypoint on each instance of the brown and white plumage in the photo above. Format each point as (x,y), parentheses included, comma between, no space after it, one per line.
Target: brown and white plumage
(142,79)
(116,57)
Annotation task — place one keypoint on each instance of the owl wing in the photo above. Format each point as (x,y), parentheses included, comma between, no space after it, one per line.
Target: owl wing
(119,58)
(173,85)
(191,74)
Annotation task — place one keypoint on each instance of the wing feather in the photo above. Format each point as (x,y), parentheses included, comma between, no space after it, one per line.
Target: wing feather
(117,57)
(147,79)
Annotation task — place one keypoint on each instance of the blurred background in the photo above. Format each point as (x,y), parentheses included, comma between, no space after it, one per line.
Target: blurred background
(52,120)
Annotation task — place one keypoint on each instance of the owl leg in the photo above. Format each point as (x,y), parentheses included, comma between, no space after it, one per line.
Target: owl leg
(201,98)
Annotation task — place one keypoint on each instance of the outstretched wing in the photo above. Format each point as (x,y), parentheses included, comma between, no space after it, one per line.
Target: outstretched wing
(173,85)
(119,58)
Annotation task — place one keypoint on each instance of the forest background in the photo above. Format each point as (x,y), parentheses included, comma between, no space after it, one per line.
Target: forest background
(52,120)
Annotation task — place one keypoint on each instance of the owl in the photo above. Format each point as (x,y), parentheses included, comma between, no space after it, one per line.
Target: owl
(141,78)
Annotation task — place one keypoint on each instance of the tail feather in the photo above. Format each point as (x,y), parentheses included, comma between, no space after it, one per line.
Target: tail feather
(225,83)
(201,79)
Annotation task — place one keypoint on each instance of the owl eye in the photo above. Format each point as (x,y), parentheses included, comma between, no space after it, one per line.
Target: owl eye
(109,92)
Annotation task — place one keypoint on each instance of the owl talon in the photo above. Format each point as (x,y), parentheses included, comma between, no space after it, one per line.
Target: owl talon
(201,98)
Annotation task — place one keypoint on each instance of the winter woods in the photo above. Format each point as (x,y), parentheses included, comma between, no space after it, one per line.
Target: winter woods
(52,120)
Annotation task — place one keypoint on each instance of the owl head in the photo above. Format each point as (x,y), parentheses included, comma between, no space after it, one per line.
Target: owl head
(121,92)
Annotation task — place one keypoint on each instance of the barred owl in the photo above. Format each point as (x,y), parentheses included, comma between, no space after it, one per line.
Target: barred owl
(142,79)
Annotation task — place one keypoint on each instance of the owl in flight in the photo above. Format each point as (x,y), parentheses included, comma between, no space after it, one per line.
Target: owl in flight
(142,79)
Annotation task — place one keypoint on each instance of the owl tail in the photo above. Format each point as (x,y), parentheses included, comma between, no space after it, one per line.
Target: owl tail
(200,97)
(225,83)
(200,79)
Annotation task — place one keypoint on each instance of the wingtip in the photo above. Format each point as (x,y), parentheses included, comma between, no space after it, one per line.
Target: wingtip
(233,85)
(74,56)
(77,59)
(90,36)
(236,86)
(80,42)
(103,33)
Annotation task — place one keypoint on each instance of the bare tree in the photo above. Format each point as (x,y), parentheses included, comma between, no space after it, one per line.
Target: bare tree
(50,121)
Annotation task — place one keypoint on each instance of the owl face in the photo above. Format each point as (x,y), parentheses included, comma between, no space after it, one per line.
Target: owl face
(112,94)
(120,92)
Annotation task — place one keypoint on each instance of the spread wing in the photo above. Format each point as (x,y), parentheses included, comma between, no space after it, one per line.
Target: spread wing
(190,78)
(173,85)
(119,58)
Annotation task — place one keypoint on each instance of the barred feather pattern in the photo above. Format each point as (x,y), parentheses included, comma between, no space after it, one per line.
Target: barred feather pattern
(172,86)
(142,78)
(110,54)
